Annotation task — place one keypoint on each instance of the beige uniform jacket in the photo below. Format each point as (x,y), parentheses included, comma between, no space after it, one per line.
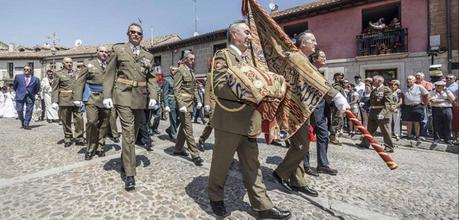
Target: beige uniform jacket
(91,73)
(63,88)
(185,90)
(125,66)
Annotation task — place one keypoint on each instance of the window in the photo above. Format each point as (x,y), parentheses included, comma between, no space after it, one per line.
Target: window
(388,74)
(293,30)
(10,70)
(219,47)
(385,12)
(157,61)
(31,67)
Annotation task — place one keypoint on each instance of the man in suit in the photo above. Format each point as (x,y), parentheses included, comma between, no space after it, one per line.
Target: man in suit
(290,172)
(26,87)
(88,91)
(62,98)
(186,95)
(130,88)
(171,105)
(199,111)
(380,114)
(232,129)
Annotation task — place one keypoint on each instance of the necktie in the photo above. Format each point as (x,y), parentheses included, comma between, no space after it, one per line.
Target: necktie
(135,50)
(103,65)
(27,81)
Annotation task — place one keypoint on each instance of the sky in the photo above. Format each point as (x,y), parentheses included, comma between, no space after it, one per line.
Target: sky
(30,22)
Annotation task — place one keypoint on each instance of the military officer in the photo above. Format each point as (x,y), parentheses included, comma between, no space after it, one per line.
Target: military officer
(62,98)
(380,113)
(186,95)
(170,105)
(209,106)
(232,130)
(88,89)
(130,87)
(337,119)
(290,172)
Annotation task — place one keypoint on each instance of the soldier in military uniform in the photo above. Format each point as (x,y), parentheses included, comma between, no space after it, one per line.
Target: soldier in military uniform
(381,104)
(209,106)
(62,98)
(290,172)
(130,87)
(113,127)
(336,115)
(170,105)
(186,95)
(232,130)
(88,89)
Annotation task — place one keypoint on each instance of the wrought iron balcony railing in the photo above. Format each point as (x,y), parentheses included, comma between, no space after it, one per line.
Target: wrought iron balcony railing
(383,42)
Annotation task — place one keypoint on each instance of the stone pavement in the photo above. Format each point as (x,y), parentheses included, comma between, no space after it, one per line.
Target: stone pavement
(40,179)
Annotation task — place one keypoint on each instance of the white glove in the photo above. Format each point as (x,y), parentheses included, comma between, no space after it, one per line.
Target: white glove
(380,117)
(156,107)
(207,108)
(167,109)
(78,103)
(182,109)
(108,103)
(341,102)
(55,106)
(199,105)
(152,104)
(361,104)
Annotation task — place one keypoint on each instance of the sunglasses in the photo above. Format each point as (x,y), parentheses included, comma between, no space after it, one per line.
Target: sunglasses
(26,69)
(136,32)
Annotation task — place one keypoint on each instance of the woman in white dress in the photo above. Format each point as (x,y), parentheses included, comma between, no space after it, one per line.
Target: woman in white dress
(46,89)
(9,110)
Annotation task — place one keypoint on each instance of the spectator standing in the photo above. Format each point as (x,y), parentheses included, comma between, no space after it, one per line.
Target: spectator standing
(397,97)
(353,98)
(452,86)
(425,121)
(441,100)
(413,106)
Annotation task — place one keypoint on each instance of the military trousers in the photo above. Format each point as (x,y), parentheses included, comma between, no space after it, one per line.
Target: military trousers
(291,168)
(113,127)
(96,127)
(384,126)
(67,113)
(226,144)
(208,129)
(173,122)
(130,121)
(185,133)
(337,121)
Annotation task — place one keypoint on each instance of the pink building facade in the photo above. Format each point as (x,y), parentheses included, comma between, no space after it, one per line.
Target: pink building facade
(338,29)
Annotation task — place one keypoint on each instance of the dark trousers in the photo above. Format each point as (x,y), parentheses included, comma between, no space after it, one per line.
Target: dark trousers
(174,122)
(198,114)
(28,102)
(156,116)
(442,118)
(321,131)
(143,137)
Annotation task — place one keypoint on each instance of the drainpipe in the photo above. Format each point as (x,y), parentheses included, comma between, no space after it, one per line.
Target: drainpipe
(448,34)
(428,25)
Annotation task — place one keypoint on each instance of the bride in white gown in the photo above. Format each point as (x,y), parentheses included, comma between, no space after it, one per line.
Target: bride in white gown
(9,109)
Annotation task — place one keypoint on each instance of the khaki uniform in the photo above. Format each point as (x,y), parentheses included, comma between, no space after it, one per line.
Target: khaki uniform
(209,99)
(291,168)
(130,83)
(186,94)
(92,76)
(232,131)
(112,126)
(381,103)
(62,94)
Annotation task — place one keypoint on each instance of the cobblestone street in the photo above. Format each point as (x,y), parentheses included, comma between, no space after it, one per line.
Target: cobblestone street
(40,179)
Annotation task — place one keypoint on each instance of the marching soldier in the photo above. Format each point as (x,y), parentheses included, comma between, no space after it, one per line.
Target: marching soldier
(130,87)
(62,98)
(170,105)
(232,131)
(380,113)
(186,95)
(88,89)
(290,172)
(113,127)
(209,106)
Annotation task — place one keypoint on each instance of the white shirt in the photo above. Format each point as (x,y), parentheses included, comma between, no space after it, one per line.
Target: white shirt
(135,49)
(236,49)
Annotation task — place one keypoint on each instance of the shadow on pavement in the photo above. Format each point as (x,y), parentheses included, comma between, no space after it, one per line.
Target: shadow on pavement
(234,195)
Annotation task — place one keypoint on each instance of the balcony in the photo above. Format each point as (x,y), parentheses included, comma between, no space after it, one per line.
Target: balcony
(384,42)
